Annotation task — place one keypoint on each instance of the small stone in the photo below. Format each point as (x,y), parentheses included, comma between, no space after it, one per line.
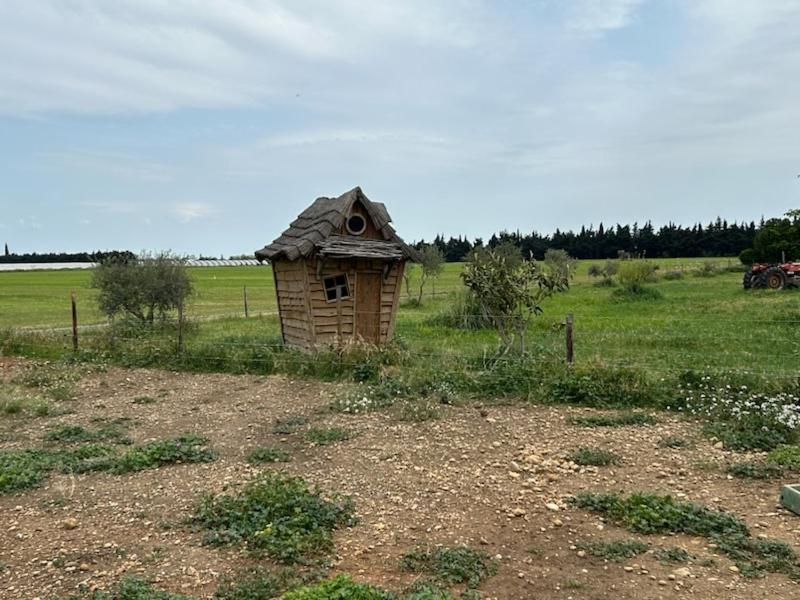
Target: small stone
(719,446)
(552,506)
(662,582)
(70,523)
(733,568)
(581,554)
(682,573)
(628,569)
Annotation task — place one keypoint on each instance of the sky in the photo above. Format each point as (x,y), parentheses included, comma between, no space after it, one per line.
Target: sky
(206,126)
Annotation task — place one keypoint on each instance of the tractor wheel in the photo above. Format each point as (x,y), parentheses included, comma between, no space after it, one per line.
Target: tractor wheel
(747,280)
(774,278)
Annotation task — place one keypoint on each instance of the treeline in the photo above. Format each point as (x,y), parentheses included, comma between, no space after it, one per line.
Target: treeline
(65,257)
(718,238)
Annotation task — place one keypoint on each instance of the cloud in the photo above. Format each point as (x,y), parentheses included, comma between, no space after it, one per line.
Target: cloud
(147,55)
(184,211)
(593,17)
(191,211)
(118,164)
(30,222)
(110,206)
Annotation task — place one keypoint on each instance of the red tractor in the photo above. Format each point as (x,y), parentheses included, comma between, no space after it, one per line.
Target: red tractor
(773,277)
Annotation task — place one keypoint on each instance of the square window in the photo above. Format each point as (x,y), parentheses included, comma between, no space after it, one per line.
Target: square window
(336,288)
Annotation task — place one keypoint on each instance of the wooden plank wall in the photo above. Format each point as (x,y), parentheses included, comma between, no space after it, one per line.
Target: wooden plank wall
(390,299)
(291,288)
(333,321)
(308,319)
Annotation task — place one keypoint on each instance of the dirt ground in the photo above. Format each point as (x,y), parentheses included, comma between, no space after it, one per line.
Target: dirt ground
(480,475)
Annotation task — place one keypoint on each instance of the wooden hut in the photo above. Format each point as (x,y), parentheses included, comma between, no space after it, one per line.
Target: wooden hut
(338,272)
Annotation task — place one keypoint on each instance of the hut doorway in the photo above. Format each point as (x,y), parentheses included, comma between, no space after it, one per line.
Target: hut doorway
(368,307)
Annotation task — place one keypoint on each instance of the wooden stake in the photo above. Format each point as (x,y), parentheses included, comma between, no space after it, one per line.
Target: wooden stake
(74,322)
(180,328)
(570,345)
(246,312)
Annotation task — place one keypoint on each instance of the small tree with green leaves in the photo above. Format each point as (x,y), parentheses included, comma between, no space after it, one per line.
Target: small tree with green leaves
(606,272)
(560,263)
(432,265)
(633,274)
(146,287)
(509,296)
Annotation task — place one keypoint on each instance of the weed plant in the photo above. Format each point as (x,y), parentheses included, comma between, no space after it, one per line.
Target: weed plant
(322,436)
(654,514)
(597,457)
(621,419)
(617,551)
(450,566)
(276,514)
(259,456)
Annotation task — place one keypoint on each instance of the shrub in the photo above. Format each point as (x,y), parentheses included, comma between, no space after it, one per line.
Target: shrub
(752,433)
(741,419)
(277,514)
(509,295)
(622,419)
(601,386)
(707,269)
(785,456)
(183,449)
(143,288)
(606,272)
(617,550)
(594,456)
(633,274)
(267,455)
(340,587)
(560,263)
(459,564)
(643,293)
(673,275)
(462,311)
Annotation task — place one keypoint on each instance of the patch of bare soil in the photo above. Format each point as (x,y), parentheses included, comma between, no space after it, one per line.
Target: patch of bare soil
(495,478)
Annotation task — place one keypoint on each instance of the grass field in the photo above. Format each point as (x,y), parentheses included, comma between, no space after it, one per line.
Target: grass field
(699,322)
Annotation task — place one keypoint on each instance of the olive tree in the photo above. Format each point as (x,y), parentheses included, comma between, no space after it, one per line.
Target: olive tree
(509,295)
(560,263)
(429,268)
(144,287)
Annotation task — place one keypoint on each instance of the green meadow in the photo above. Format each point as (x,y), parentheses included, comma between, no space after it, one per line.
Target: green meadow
(699,322)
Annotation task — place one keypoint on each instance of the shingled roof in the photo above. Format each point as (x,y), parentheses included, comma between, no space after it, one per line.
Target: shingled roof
(317,227)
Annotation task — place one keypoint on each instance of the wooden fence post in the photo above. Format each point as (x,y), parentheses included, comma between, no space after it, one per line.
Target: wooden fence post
(244,292)
(74,322)
(570,344)
(180,328)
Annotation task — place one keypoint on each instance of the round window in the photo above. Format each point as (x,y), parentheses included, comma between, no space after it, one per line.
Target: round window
(356,224)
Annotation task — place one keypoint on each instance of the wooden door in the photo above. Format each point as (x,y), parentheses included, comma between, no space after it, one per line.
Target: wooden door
(368,307)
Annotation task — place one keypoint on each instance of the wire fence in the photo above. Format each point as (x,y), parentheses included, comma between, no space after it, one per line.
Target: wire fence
(659,346)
